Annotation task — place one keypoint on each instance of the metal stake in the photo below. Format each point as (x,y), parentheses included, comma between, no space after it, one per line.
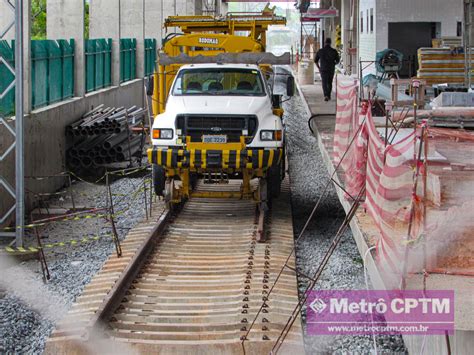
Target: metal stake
(42,257)
(145,198)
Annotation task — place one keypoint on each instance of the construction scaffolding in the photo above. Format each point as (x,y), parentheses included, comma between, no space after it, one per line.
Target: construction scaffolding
(16,147)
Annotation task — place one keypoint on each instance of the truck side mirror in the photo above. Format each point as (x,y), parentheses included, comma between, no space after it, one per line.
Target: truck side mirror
(150,85)
(276,101)
(290,86)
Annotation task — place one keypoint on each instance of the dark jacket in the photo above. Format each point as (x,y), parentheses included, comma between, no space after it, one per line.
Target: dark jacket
(327,57)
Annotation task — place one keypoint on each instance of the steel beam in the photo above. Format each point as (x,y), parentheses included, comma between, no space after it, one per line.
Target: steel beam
(3,181)
(19,115)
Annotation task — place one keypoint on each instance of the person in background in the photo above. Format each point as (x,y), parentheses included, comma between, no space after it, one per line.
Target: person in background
(326,60)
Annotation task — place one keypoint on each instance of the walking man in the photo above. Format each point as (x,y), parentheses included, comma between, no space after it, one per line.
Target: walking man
(326,60)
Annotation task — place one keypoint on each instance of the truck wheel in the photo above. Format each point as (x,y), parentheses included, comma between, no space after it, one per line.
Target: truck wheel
(193,179)
(274,180)
(159,179)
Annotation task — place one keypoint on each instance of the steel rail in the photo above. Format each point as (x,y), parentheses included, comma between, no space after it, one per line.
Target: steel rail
(114,297)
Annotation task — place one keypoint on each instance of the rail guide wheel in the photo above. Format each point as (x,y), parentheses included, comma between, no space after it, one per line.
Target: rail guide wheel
(169,193)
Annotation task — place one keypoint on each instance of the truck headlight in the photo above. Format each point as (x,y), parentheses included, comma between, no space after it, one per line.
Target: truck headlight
(162,133)
(271,135)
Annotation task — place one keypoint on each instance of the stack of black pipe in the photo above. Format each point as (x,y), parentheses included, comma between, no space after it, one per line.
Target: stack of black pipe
(103,136)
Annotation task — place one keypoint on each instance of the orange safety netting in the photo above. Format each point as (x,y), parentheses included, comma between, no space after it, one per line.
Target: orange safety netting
(390,196)
(419,199)
(346,118)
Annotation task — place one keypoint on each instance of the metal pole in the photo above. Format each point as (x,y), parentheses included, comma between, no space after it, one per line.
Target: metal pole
(301,35)
(469,44)
(465,44)
(467,41)
(19,163)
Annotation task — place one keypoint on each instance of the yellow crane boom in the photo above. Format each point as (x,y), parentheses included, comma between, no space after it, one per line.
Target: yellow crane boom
(210,36)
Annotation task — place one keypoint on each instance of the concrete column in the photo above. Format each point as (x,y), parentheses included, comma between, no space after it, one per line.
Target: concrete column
(345,30)
(132,25)
(153,20)
(355,38)
(222,7)
(169,8)
(65,20)
(182,8)
(104,22)
(194,7)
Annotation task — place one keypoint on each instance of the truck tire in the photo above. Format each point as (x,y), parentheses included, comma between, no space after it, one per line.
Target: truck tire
(193,180)
(274,177)
(159,180)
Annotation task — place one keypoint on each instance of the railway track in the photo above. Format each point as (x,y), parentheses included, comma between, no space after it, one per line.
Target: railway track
(192,283)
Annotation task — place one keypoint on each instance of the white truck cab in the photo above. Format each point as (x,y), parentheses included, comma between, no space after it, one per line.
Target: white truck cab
(219,119)
(218,104)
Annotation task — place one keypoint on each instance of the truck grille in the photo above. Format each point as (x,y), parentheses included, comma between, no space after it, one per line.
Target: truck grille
(232,126)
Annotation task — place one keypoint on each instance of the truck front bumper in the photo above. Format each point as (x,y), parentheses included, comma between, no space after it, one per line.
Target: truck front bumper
(194,159)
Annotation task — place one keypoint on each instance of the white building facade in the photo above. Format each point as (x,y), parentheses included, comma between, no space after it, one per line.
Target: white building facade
(404,25)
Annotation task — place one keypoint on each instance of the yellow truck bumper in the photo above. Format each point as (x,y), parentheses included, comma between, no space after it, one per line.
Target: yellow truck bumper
(215,159)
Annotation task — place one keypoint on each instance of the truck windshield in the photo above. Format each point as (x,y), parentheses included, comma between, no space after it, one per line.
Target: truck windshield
(219,81)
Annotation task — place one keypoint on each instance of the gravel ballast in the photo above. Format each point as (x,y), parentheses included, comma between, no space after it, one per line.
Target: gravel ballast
(345,270)
(28,307)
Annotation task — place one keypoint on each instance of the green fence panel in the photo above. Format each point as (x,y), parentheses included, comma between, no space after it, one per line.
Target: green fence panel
(98,63)
(52,71)
(55,79)
(90,64)
(39,73)
(108,62)
(128,59)
(133,59)
(7,79)
(150,55)
(67,49)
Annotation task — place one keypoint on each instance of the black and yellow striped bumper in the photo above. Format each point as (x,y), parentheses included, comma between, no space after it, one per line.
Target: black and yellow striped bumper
(215,159)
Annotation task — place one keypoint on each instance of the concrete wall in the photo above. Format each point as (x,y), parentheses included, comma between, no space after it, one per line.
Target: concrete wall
(45,143)
(446,12)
